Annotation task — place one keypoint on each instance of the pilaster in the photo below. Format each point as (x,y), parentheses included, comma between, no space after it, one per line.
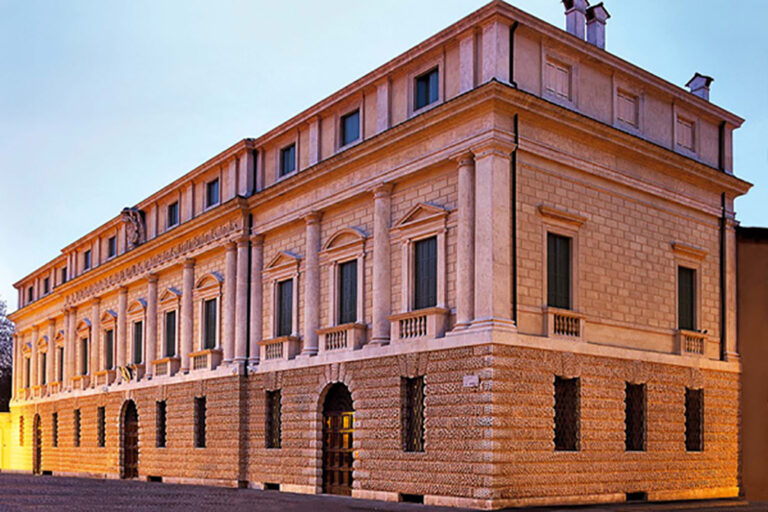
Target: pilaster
(257,297)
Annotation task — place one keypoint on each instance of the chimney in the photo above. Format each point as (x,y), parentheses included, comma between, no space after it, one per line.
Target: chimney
(575,17)
(596,18)
(699,85)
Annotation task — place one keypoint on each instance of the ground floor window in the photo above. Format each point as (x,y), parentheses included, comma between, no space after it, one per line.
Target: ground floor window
(634,419)
(412,391)
(566,414)
(76,428)
(273,429)
(694,419)
(200,413)
(101,422)
(160,424)
(55,429)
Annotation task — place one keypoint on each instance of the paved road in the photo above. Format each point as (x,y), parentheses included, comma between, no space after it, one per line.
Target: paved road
(48,493)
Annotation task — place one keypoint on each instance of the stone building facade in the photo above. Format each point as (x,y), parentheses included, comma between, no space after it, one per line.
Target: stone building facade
(498,270)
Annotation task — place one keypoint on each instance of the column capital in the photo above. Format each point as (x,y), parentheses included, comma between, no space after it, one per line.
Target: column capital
(242,241)
(97,300)
(463,158)
(51,321)
(313,217)
(152,278)
(382,190)
(123,290)
(257,238)
(189,263)
(494,147)
(230,245)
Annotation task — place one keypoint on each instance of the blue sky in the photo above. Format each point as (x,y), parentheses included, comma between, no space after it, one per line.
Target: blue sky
(104,102)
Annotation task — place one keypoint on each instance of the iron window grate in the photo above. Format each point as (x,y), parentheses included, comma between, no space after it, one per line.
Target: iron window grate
(160,424)
(200,418)
(567,409)
(273,428)
(635,417)
(412,390)
(694,420)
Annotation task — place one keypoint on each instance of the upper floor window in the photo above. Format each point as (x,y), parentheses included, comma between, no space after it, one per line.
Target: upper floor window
(425,273)
(173,214)
(686,133)
(109,348)
(63,275)
(287,160)
(285,308)
(170,334)
(212,193)
(209,323)
(347,292)
(350,128)
(27,371)
(87,260)
(111,247)
(558,79)
(686,298)
(43,364)
(46,286)
(427,88)
(60,365)
(30,294)
(138,341)
(558,271)
(83,356)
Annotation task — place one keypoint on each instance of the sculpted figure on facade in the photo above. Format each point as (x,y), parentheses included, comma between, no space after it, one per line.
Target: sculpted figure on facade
(135,230)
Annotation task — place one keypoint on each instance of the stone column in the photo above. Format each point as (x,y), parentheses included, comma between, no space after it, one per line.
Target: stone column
(95,360)
(16,367)
(731,341)
(51,366)
(227,341)
(69,349)
(312,286)
(122,326)
(493,247)
(151,323)
(382,300)
(257,298)
(241,303)
(34,370)
(465,257)
(187,318)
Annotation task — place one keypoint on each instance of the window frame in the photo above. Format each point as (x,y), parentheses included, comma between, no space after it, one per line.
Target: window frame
(691,257)
(344,246)
(161,427)
(101,427)
(644,416)
(281,152)
(87,260)
(208,203)
(341,117)
(55,429)
(108,322)
(200,422)
(169,300)
(548,299)
(136,312)
(576,416)
(548,55)
(285,265)
(273,423)
(77,427)
(694,439)
(563,223)
(173,204)
(413,441)
(111,247)
(434,63)
(208,287)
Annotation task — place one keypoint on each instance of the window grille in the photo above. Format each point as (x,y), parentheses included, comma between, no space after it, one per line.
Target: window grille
(348,292)
(425,273)
(55,429)
(694,419)
(273,416)
(635,417)
(412,390)
(77,427)
(567,410)
(200,413)
(558,271)
(101,418)
(160,424)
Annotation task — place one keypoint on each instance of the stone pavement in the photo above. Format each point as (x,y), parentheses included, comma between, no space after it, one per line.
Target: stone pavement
(48,493)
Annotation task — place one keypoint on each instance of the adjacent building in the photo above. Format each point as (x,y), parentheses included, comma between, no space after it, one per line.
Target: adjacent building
(497,270)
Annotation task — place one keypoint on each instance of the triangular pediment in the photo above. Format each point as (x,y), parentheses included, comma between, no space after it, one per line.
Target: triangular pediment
(108,316)
(83,325)
(284,258)
(422,212)
(137,306)
(42,341)
(59,335)
(209,281)
(345,237)
(170,294)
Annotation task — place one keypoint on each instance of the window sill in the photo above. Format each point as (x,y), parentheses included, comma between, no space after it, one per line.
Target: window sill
(426,108)
(349,145)
(282,177)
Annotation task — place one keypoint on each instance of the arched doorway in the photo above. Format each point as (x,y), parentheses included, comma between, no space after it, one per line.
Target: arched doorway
(338,434)
(129,439)
(37,446)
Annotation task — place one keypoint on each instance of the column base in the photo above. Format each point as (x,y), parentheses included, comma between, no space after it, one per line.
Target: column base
(379,341)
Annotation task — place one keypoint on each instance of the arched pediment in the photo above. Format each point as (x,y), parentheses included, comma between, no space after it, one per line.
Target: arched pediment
(284,258)
(42,342)
(170,294)
(83,325)
(420,213)
(26,348)
(108,316)
(137,306)
(345,237)
(209,281)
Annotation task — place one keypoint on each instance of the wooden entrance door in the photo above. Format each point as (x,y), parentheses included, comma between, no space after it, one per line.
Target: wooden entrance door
(37,446)
(130,439)
(338,435)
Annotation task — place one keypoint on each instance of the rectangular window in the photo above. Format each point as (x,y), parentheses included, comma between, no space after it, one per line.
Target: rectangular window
(170,334)
(27,371)
(21,430)
(60,367)
(46,286)
(634,417)
(287,159)
(84,356)
(173,214)
(30,294)
(101,426)
(427,89)
(558,271)
(694,420)
(43,368)
(209,323)
(566,414)
(627,107)
(558,79)
(348,292)
(350,127)
(686,298)
(285,308)
(109,348)
(111,247)
(55,429)
(425,273)
(200,422)
(160,423)
(63,275)
(87,260)
(138,342)
(76,428)
(412,413)
(685,133)
(212,193)
(273,415)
